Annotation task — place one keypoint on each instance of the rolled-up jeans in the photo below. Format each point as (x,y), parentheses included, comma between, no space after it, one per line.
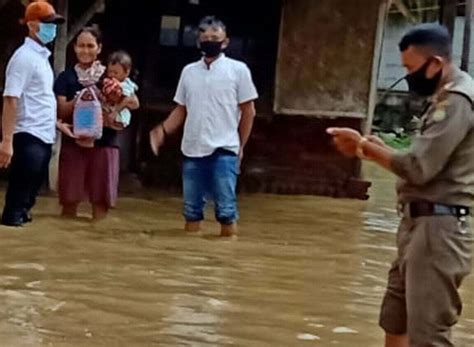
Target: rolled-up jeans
(213,177)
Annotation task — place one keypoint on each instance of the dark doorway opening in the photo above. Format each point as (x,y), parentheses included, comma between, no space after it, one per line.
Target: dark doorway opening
(160,36)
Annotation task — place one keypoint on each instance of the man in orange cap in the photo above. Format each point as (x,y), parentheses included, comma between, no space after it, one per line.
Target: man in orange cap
(29,114)
(43,12)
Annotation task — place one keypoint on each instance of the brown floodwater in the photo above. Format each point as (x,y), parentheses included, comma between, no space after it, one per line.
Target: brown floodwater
(305,271)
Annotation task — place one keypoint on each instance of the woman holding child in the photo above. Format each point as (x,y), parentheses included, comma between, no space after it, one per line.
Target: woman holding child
(89,168)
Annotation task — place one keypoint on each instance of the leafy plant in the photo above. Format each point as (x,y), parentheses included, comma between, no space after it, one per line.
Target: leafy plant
(401,141)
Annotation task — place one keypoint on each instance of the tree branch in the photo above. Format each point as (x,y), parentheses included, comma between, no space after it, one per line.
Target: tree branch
(97,6)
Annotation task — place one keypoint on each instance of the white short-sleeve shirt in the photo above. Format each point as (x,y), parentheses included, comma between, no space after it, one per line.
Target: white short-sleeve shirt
(212,95)
(29,77)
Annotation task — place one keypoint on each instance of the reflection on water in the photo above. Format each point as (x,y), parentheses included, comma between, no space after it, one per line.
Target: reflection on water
(306,271)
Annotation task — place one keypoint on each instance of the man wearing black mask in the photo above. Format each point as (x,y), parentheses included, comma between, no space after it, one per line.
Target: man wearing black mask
(435,192)
(215,98)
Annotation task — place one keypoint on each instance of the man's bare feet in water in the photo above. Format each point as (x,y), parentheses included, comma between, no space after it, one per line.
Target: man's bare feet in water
(229,230)
(192,227)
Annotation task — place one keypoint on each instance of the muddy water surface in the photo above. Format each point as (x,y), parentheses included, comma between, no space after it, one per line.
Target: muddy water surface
(305,271)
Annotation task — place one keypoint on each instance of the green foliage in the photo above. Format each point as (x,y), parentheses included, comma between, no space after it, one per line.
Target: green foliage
(402,141)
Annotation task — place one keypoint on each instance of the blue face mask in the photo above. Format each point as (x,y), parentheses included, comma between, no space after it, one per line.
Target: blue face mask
(47,32)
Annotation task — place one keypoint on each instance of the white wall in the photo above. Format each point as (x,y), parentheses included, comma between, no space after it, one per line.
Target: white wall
(390,66)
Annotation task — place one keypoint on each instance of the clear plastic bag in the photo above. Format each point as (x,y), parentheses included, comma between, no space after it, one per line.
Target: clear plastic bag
(87,116)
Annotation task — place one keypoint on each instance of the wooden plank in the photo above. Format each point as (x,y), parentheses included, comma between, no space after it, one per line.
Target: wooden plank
(328,114)
(404,10)
(325,57)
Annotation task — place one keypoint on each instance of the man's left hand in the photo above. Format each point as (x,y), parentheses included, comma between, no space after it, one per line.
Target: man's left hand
(241,155)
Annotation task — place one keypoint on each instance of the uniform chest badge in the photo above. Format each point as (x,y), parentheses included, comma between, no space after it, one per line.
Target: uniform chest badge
(439,114)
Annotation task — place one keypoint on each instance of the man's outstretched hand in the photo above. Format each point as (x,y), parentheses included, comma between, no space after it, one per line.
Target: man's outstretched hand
(346,140)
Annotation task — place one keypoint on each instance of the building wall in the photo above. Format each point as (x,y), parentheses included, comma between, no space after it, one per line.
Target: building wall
(286,154)
(396,110)
(391,68)
(291,153)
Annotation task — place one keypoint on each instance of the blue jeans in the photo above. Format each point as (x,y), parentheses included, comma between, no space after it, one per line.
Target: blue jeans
(214,176)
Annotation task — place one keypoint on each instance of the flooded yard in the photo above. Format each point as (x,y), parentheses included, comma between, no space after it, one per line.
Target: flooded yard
(305,271)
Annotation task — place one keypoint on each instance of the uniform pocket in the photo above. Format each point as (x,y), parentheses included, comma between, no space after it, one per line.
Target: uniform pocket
(404,234)
(451,245)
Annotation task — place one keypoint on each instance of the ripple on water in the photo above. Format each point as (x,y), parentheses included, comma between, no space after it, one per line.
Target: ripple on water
(307,337)
(26,266)
(344,330)
(305,271)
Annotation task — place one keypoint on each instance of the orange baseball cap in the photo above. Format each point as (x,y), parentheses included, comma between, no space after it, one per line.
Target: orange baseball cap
(42,11)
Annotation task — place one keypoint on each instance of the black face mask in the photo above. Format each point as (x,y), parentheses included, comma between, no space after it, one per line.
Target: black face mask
(211,49)
(419,84)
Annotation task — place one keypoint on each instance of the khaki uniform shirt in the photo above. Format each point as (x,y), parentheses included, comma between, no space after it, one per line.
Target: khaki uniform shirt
(439,167)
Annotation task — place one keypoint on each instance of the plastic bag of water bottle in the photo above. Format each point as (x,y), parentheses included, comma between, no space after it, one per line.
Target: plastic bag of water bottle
(87,116)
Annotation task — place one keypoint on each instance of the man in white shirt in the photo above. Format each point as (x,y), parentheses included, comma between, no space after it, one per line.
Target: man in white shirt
(29,114)
(215,98)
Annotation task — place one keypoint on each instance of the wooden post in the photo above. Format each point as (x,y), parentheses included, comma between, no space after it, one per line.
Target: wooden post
(379,34)
(60,49)
(448,14)
(60,45)
(404,10)
(466,48)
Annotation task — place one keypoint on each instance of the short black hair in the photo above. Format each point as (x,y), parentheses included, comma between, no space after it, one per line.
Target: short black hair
(429,35)
(211,22)
(122,58)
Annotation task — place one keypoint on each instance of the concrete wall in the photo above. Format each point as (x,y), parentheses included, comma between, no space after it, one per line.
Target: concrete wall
(326,57)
